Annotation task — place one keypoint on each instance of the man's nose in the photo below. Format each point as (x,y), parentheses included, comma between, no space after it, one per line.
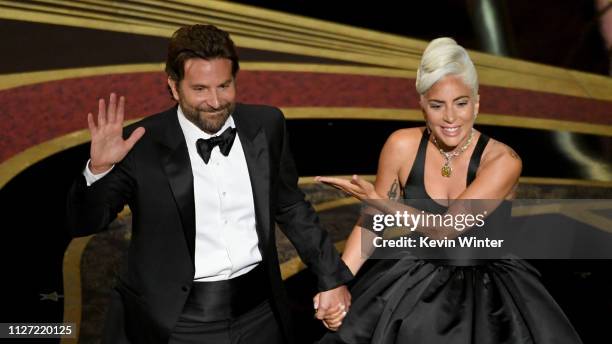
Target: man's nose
(213,100)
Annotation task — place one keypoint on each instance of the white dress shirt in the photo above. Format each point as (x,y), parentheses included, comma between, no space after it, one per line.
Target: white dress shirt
(226,242)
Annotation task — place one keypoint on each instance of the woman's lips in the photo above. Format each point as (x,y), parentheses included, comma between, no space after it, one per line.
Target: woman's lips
(450,131)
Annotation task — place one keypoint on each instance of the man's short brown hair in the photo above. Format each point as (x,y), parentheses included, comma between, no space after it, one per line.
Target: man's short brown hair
(199,41)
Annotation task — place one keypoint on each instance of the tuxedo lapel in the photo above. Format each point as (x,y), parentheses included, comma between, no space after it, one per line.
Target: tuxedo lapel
(255,147)
(177,167)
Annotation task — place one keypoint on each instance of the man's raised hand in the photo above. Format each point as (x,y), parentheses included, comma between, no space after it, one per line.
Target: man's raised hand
(107,144)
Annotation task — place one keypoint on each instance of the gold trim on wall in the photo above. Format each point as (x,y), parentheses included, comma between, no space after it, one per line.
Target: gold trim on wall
(275,31)
(416,115)
(71,273)
(8,81)
(19,162)
(522,180)
(565,181)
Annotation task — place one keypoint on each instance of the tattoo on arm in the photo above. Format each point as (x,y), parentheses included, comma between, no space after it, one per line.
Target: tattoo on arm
(393,190)
(513,154)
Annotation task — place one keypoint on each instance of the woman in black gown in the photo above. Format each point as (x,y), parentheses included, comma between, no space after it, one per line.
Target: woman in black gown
(412,300)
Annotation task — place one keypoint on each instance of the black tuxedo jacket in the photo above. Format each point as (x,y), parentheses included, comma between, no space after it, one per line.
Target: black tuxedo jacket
(155,179)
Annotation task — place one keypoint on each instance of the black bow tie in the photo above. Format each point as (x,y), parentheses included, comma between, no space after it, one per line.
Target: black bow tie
(225,141)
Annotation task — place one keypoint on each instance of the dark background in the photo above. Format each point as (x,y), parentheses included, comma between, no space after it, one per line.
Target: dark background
(559,33)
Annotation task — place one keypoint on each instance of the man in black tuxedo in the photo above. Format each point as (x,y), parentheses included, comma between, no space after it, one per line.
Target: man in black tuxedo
(206,181)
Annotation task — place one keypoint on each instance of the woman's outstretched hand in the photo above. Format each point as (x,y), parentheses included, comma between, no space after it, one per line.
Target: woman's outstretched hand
(356,186)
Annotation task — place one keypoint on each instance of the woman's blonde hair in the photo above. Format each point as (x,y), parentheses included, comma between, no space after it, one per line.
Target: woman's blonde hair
(442,57)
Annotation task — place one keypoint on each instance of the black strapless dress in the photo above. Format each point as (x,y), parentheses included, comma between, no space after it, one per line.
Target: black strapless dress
(411,300)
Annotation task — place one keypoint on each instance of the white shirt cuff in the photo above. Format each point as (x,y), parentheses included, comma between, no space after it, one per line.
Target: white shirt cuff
(90,177)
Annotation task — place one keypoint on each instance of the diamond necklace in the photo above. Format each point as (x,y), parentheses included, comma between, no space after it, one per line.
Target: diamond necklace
(446,169)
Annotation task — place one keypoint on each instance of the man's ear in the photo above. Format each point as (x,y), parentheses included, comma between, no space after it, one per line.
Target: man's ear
(174,88)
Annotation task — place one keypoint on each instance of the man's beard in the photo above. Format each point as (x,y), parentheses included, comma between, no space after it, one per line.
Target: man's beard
(202,118)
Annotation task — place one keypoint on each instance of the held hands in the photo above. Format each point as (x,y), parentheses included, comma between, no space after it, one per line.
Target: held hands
(356,187)
(107,144)
(331,306)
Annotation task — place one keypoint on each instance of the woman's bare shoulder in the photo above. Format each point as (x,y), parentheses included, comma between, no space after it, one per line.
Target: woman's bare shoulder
(404,140)
(498,152)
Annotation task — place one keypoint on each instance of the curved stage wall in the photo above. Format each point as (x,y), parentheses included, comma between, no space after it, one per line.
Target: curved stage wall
(333,82)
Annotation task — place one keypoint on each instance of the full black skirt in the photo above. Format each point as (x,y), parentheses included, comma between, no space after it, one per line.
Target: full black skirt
(416,301)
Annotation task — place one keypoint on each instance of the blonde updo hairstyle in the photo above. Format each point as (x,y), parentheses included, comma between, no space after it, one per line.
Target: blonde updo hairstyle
(442,57)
